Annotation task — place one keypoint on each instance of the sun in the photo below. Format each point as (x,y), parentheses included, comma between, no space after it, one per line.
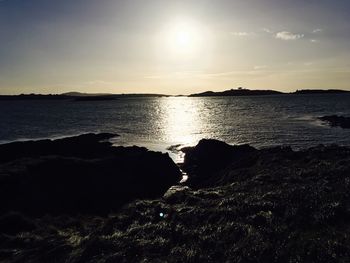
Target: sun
(180,42)
(182,38)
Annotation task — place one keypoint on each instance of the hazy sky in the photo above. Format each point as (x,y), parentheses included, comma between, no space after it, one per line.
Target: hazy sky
(173,47)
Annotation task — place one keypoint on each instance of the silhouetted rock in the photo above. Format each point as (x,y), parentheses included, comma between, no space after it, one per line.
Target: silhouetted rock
(14,223)
(213,163)
(86,145)
(80,174)
(210,156)
(337,121)
(269,205)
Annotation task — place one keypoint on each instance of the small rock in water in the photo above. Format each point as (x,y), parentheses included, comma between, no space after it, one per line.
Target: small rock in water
(337,121)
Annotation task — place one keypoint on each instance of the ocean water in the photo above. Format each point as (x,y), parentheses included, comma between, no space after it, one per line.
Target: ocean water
(158,123)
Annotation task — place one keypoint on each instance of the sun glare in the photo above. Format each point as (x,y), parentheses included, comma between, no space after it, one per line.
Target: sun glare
(181,120)
(182,38)
(179,47)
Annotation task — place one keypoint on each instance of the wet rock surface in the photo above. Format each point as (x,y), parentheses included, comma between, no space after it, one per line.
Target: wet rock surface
(337,121)
(247,205)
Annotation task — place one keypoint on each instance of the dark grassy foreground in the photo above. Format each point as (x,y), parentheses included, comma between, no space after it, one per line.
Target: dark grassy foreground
(244,205)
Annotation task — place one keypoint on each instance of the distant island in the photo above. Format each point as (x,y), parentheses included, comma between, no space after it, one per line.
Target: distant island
(78,96)
(237,92)
(247,92)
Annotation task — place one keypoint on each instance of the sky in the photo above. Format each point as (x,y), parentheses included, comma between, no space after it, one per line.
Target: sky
(173,47)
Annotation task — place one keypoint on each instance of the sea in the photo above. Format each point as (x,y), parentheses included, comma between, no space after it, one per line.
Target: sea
(168,123)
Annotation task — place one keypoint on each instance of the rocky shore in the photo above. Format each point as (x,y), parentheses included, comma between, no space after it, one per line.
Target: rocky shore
(80,175)
(240,204)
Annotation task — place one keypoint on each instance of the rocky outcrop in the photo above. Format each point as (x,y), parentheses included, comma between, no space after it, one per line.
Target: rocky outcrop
(213,163)
(337,121)
(80,175)
(244,205)
(83,146)
(211,156)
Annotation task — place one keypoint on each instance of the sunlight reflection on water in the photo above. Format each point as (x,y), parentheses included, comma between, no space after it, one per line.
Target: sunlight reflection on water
(158,123)
(181,121)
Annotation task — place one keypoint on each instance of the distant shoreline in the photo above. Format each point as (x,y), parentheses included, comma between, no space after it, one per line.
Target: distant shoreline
(76,96)
(248,92)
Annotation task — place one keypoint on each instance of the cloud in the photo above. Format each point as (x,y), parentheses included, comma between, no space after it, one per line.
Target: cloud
(267,30)
(314,41)
(317,30)
(285,35)
(243,34)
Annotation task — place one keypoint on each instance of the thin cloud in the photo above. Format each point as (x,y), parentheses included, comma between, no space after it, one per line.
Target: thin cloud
(267,30)
(317,30)
(285,35)
(243,34)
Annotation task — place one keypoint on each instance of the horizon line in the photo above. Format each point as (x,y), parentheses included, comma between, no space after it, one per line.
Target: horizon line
(164,94)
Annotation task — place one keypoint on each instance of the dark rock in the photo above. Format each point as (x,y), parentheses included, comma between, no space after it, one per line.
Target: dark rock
(14,223)
(80,175)
(212,163)
(85,145)
(210,156)
(269,205)
(337,121)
